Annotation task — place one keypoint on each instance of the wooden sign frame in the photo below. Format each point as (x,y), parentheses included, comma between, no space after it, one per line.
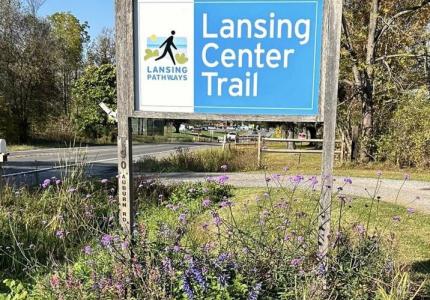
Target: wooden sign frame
(126,50)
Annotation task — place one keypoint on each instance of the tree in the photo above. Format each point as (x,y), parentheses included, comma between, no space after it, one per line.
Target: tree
(177,124)
(96,84)
(69,36)
(102,50)
(27,79)
(384,53)
(407,142)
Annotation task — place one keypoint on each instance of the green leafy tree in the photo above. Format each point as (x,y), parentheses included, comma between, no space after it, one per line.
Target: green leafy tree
(27,76)
(96,85)
(384,53)
(407,143)
(70,37)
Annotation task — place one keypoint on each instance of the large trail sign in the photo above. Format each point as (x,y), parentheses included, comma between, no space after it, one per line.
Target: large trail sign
(243,60)
(229,57)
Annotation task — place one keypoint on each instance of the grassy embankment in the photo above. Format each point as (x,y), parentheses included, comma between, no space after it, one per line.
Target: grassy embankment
(244,159)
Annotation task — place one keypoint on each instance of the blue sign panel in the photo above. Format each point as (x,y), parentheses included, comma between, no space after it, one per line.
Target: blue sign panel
(242,57)
(257,57)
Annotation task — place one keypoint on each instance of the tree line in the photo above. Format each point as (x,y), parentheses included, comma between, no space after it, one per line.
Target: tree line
(42,60)
(49,70)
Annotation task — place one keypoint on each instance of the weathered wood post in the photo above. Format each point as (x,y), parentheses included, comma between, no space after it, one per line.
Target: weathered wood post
(342,148)
(329,89)
(125,94)
(259,149)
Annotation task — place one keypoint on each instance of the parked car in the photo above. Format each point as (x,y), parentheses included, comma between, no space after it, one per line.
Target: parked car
(232,136)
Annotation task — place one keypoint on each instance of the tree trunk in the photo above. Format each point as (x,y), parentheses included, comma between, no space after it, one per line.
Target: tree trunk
(23,129)
(291,145)
(367,92)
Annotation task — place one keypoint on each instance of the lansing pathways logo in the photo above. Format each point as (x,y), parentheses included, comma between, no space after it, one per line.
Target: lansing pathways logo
(170,64)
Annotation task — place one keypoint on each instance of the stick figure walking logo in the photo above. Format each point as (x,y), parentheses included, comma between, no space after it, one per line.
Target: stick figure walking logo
(168,43)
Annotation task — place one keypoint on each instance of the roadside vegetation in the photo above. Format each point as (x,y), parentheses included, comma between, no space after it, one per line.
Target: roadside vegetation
(207,240)
(244,159)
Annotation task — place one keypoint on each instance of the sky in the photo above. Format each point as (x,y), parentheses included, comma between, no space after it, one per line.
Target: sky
(98,13)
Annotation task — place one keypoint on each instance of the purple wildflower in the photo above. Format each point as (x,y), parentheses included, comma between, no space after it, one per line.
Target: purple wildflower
(187,288)
(226,203)
(347,180)
(286,169)
(411,210)
(176,248)
(167,265)
(223,257)
(59,234)
(276,177)
(296,180)
(198,276)
(58,182)
(222,179)
(296,262)
(360,229)
(253,295)
(206,203)
(217,219)
(224,168)
(87,250)
(46,183)
(379,173)
(314,181)
(106,240)
(124,245)
(321,270)
(183,218)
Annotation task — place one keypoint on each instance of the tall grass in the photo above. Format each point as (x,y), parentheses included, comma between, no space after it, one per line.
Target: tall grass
(208,160)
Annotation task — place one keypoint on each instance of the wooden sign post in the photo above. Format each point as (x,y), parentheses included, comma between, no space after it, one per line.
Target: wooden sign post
(329,92)
(276,61)
(125,100)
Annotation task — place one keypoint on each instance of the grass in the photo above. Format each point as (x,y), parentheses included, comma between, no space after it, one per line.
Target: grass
(411,234)
(411,238)
(244,159)
(310,164)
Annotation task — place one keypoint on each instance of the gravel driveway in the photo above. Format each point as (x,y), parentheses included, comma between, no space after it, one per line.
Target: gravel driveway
(414,194)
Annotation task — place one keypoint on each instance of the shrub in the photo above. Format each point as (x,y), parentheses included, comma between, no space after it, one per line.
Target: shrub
(407,143)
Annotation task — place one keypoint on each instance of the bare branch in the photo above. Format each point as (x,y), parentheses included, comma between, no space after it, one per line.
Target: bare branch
(35,5)
(408,55)
(398,15)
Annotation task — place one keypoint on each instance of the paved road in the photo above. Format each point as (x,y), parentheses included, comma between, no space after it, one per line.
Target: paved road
(102,160)
(414,194)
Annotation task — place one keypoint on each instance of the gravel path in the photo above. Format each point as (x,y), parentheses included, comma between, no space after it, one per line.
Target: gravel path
(414,194)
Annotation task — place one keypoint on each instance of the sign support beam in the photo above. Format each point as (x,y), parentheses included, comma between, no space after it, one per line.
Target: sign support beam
(329,92)
(125,100)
